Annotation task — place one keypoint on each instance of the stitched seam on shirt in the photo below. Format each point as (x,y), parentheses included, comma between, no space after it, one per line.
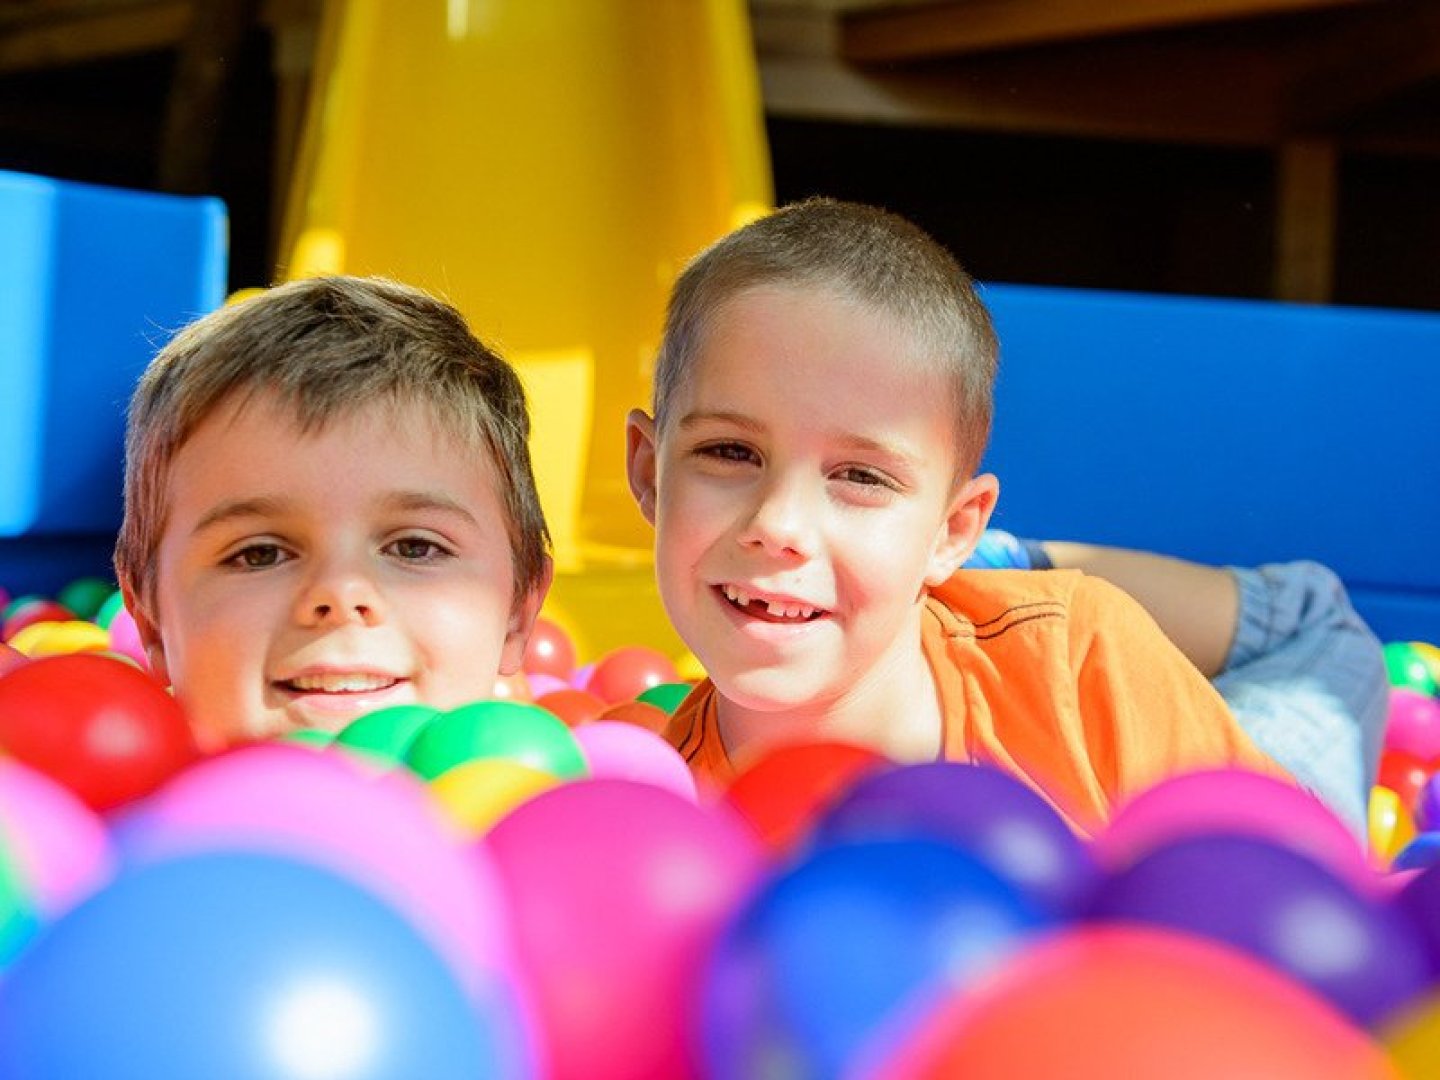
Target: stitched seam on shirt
(1058,614)
(1019,607)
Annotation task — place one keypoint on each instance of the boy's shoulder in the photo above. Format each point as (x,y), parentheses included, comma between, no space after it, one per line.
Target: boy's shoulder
(991,599)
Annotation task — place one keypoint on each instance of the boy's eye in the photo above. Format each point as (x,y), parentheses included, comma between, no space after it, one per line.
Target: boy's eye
(727,451)
(257,557)
(416,548)
(858,474)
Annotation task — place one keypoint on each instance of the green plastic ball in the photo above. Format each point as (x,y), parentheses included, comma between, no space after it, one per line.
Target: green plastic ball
(511,730)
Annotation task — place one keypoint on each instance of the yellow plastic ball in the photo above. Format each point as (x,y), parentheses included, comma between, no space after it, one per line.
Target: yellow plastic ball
(477,793)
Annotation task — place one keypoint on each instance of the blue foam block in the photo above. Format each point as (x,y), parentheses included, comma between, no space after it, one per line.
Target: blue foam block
(1227,431)
(92,281)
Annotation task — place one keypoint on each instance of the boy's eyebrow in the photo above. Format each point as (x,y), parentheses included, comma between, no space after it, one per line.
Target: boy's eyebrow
(861,443)
(267,506)
(231,509)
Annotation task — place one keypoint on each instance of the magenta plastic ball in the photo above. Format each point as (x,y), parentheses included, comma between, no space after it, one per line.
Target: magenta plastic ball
(125,638)
(61,846)
(380,829)
(619,890)
(1413,723)
(1233,801)
(616,750)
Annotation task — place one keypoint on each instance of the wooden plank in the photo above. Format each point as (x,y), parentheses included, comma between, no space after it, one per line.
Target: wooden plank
(62,42)
(968,26)
(1209,88)
(1307,189)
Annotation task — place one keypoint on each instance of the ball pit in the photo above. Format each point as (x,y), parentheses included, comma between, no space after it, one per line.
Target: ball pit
(505,889)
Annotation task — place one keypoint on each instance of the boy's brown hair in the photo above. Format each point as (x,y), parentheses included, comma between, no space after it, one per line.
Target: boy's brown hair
(861,253)
(325,347)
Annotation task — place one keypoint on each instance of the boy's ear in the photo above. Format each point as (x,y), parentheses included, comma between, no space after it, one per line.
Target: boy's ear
(522,621)
(149,635)
(969,514)
(640,460)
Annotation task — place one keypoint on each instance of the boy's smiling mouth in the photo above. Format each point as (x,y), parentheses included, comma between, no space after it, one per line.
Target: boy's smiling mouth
(355,682)
(769,609)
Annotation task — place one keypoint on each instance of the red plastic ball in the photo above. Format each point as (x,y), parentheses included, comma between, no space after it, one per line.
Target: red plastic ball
(549,651)
(575,707)
(106,730)
(783,793)
(1405,774)
(629,671)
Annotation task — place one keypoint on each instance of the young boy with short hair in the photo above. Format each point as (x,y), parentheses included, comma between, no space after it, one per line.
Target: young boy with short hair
(329,508)
(822,401)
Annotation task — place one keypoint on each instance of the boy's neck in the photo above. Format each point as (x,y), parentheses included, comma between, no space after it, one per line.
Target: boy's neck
(895,711)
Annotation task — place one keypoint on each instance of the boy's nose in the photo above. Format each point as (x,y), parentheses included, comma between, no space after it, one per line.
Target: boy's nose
(335,597)
(783,521)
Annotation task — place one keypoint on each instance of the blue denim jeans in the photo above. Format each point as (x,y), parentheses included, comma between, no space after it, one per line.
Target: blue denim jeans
(1306,679)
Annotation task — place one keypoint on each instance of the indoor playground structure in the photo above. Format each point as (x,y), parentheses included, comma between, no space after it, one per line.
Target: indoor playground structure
(535,886)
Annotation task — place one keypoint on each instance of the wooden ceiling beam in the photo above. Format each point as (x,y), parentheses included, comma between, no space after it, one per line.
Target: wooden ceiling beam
(970,26)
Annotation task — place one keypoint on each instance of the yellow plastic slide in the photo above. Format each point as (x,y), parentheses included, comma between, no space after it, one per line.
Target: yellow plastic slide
(548,167)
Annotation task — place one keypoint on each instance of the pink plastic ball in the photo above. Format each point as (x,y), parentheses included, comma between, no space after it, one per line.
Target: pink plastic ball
(381,829)
(125,638)
(1233,801)
(621,751)
(619,889)
(1413,725)
(542,684)
(61,846)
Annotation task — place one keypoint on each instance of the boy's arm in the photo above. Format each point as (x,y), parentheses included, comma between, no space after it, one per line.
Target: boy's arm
(1148,712)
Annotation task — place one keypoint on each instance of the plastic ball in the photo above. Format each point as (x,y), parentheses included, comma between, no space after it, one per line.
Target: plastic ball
(106,612)
(19,922)
(1408,668)
(784,791)
(620,751)
(104,729)
(1390,823)
(385,735)
(1426,807)
(1413,724)
(60,846)
(640,713)
(1430,654)
(379,829)
(542,684)
(989,814)
(33,610)
(629,671)
(822,965)
(58,638)
(518,732)
(667,696)
(1097,1003)
(575,707)
(549,651)
(84,596)
(618,890)
(247,964)
(1405,774)
(10,658)
(125,638)
(1282,908)
(515,687)
(1419,901)
(1232,801)
(1419,853)
(476,794)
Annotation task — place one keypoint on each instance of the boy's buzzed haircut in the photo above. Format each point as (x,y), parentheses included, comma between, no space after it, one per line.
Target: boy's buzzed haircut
(863,253)
(325,347)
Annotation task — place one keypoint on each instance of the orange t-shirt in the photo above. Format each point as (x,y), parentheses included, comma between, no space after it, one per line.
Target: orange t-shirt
(1060,679)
